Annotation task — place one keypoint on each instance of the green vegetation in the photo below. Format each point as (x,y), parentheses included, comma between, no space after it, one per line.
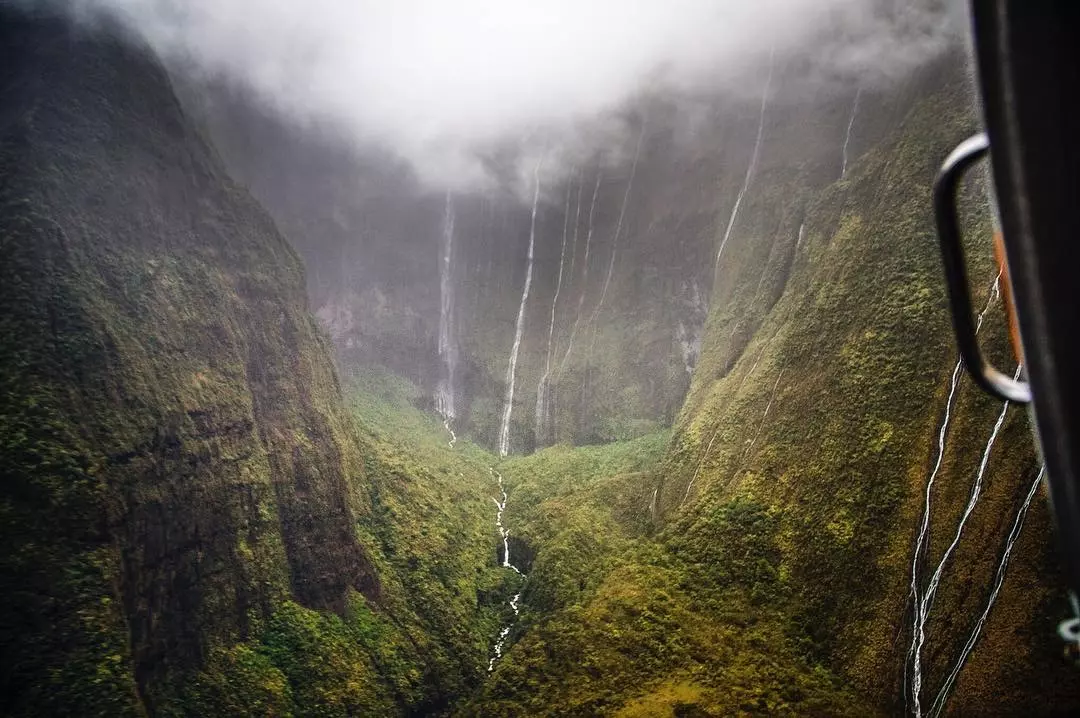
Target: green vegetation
(199,518)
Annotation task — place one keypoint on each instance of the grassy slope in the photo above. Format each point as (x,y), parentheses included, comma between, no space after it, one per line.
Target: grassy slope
(190,521)
(777,582)
(615,622)
(853,363)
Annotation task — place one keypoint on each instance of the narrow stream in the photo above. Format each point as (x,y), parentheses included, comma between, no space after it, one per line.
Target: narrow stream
(505,534)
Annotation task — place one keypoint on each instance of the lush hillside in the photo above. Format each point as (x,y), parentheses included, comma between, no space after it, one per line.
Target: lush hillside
(200,518)
(192,522)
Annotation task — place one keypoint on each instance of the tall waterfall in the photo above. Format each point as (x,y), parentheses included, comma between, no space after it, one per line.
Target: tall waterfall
(922,611)
(584,274)
(511,368)
(445,391)
(619,226)
(938,705)
(847,134)
(921,606)
(752,167)
(505,534)
(543,395)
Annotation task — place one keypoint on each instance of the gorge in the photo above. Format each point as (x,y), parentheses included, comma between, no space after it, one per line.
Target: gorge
(261,384)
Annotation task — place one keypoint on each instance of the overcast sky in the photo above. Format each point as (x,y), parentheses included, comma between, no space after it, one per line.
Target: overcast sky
(434,80)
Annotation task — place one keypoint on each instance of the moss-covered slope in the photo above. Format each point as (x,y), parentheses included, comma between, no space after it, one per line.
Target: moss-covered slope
(176,460)
(827,418)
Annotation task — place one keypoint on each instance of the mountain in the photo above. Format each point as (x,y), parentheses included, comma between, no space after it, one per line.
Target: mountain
(184,491)
(227,489)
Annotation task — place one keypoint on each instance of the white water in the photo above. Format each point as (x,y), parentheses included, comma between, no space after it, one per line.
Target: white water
(543,403)
(764,416)
(922,539)
(847,135)
(618,227)
(445,392)
(716,432)
(802,233)
(999,578)
(752,167)
(511,369)
(935,580)
(577,222)
(504,532)
(584,275)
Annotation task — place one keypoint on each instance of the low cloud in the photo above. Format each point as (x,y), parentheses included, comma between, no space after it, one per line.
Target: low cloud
(442,83)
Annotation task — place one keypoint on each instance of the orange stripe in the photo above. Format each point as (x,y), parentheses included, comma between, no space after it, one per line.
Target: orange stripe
(1006,293)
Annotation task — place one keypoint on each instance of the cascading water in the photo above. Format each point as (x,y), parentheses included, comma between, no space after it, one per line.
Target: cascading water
(847,134)
(802,234)
(543,395)
(577,223)
(752,167)
(923,609)
(618,227)
(922,539)
(716,432)
(445,391)
(511,369)
(584,276)
(765,415)
(938,705)
(505,534)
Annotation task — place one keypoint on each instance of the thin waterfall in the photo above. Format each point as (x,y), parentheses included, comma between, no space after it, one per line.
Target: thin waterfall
(847,135)
(619,226)
(922,539)
(752,167)
(504,533)
(999,578)
(543,404)
(445,391)
(720,425)
(577,223)
(765,415)
(511,368)
(584,275)
(802,235)
(935,580)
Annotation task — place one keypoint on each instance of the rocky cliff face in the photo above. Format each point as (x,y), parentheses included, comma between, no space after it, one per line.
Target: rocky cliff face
(191,523)
(821,377)
(788,506)
(176,458)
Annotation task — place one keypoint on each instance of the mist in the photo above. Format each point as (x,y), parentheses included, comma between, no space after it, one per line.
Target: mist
(441,84)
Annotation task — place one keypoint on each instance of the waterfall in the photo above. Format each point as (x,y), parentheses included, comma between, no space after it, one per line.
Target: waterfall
(511,368)
(924,607)
(543,404)
(619,226)
(847,135)
(505,534)
(922,539)
(765,415)
(584,275)
(577,223)
(445,392)
(802,234)
(999,578)
(752,167)
(716,432)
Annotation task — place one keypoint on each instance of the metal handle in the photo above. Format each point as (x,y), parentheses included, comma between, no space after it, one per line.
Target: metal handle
(952,255)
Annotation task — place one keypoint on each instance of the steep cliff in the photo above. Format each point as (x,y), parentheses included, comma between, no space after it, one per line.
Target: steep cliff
(745,307)
(763,561)
(176,457)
